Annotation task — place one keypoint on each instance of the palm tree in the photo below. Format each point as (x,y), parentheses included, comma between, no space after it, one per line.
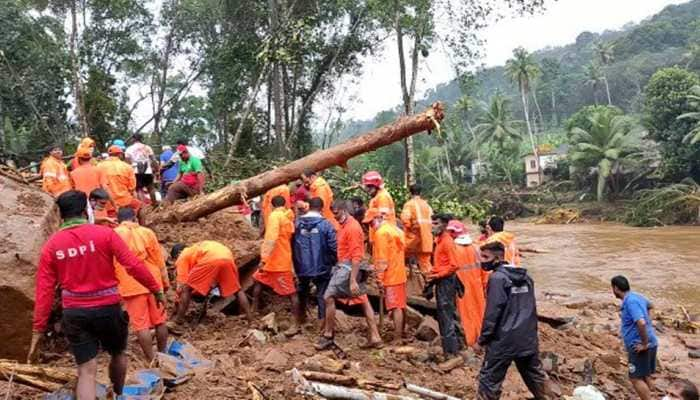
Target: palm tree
(605,51)
(611,141)
(496,127)
(466,104)
(523,69)
(694,99)
(593,76)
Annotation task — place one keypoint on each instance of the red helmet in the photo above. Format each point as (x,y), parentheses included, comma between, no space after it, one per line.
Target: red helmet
(372,178)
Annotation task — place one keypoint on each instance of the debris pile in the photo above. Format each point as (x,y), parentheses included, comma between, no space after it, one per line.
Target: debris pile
(561,216)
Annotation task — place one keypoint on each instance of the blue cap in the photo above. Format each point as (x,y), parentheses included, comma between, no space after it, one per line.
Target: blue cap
(120,143)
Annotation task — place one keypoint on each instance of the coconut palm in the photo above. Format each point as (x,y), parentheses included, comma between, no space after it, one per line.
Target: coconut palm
(523,69)
(496,126)
(605,52)
(594,76)
(611,142)
(694,99)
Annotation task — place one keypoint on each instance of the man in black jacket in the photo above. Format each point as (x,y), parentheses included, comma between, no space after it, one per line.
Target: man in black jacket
(509,331)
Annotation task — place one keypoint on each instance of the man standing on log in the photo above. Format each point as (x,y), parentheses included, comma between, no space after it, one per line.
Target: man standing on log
(144,312)
(390,266)
(443,276)
(190,179)
(276,270)
(347,282)
(318,187)
(314,253)
(200,268)
(638,335)
(496,233)
(381,200)
(416,218)
(54,174)
(509,332)
(79,258)
(120,181)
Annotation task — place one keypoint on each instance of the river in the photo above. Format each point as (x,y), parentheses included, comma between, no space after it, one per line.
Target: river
(579,259)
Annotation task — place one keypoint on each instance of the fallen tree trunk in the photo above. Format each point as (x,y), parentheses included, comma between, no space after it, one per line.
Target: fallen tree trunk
(317,161)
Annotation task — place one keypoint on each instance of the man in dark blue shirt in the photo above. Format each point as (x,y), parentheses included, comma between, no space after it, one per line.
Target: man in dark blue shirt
(638,336)
(169,171)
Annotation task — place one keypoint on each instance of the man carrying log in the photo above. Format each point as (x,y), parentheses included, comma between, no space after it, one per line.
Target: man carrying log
(347,282)
(144,312)
(509,332)
(79,258)
(373,184)
(318,187)
(276,270)
(416,218)
(200,268)
(390,266)
(54,174)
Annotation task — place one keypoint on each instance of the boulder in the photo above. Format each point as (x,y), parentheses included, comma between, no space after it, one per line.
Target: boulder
(428,329)
(28,217)
(275,360)
(694,354)
(550,361)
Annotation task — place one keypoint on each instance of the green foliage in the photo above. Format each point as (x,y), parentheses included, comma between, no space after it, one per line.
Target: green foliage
(666,98)
(496,126)
(674,204)
(694,99)
(474,211)
(582,118)
(522,68)
(101,106)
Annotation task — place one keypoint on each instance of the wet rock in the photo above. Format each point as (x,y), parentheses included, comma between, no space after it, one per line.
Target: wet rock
(694,354)
(270,322)
(343,323)
(451,364)
(577,304)
(550,361)
(258,336)
(275,360)
(692,344)
(321,363)
(584,367)
(611,359)
(407,350)
(413,317)
(427,330)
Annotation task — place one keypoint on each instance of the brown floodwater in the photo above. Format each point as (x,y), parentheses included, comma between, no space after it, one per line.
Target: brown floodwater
(579,260)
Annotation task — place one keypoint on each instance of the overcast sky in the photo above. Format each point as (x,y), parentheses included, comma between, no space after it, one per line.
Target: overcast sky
(563,20)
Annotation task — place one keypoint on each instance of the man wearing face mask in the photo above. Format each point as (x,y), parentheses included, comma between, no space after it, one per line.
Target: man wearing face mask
(509,330)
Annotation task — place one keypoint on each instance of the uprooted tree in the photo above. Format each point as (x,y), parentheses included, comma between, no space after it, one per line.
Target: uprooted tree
(317,161)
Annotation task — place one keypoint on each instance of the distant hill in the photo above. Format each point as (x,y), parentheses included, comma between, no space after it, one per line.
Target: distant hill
(639,50)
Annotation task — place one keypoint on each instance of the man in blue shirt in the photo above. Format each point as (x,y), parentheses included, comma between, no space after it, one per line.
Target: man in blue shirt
(167,175)
(638,336)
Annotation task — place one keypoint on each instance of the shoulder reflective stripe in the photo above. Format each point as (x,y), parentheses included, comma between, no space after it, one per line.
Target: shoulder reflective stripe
(49,174)
(469,267)
(519,289)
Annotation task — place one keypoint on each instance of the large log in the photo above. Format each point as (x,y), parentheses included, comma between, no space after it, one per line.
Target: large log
(317,161)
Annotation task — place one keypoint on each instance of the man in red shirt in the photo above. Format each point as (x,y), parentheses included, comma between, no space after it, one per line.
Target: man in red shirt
(348,277)
(79,258)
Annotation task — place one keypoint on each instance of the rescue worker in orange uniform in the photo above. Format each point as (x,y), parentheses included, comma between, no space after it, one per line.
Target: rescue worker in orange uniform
(86,146)
(266,206)
(144,312)
(55,179)
(276,270)
(444,277)
(318,187)
(86,177)
(102,210)
(347,283)
(417,225)
(120,181)
(202,267)
(388,256)
(471,306)
(381,200)
(496,233)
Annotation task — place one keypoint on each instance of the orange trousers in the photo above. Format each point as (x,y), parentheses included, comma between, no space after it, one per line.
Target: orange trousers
(472,306)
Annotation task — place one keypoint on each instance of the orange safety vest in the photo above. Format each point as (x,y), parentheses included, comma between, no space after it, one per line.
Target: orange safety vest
(321,189)
(143,243)
(55,178)
(276,250)
(119,180)
(417,224)
(388,255)
(266,206)
(86,178)
(383,202)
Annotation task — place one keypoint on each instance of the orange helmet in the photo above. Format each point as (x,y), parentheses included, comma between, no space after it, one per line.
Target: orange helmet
(372,178)
(87,142)
(83,152)
(114,150)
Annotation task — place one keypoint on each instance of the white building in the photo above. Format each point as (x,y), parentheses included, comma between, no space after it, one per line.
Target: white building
(548,161)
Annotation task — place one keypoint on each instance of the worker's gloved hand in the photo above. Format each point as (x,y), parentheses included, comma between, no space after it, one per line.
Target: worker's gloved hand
(34,347)
(160,297)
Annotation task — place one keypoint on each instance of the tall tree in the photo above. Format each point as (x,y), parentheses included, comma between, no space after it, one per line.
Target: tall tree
(593,77)
(551,74)
(605,53)
(496,125)
(523,70)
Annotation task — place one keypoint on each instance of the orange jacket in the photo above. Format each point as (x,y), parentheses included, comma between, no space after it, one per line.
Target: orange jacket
(86,178)
(350,241)
(445,256)
(321,189)
(143,243)
(55,178)
(507,239)
(276,250)
(119,180)
(388,255)
(200,254)
(472,305)
(266,206)
(385,204)
(417,223)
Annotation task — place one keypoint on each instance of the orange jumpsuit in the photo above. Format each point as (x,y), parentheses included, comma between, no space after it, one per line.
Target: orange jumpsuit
(208,264)
(390,264)
(351,249)
(277,270)
(86,178)
(471,307)
(321,189)
(85,144)
(266,206)
(383,202)
(144,311)
(417,224)
(120,182)
(507,239)
(55,178)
